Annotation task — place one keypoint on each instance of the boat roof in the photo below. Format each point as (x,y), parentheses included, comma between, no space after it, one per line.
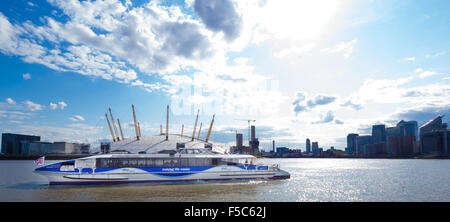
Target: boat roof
(164,155)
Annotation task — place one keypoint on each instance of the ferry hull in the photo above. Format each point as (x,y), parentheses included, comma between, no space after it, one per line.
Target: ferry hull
(119,177)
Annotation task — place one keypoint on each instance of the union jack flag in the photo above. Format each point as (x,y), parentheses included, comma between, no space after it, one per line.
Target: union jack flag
(39,161)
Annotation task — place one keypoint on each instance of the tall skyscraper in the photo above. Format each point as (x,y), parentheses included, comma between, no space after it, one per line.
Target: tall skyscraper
(351,142)
(401,139)
(308,146)
(434,137)
(362,142)
(315,147)
(378,133)
(408,128)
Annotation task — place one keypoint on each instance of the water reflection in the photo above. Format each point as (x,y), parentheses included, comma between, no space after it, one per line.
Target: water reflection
(311,180)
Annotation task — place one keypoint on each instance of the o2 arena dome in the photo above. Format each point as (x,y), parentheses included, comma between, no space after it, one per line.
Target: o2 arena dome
(158,144)
(162,143)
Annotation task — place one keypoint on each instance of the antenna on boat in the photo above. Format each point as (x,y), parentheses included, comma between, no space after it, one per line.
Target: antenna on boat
(110,130)
(210,128)
(195,125)
(199,130)
(114,125)
(167,123)
(135,124)
(120,128)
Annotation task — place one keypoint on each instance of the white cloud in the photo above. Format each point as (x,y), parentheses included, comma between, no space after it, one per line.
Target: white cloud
(344,48)
(26,76)
(303,103)
(424,73)
(33,106)
(62,105)
(10,101)
(441,53)
(427,74)
(31,4)
(77,118)
(53,106)
(295,51)
(410,59)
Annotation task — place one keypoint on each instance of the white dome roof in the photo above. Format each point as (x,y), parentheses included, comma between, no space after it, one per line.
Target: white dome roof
(154,144)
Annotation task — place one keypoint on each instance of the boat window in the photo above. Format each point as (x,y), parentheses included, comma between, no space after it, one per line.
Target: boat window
(157,162)
(67,163)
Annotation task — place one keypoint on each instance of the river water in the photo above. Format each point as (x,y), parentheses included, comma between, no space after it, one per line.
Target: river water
(311,180)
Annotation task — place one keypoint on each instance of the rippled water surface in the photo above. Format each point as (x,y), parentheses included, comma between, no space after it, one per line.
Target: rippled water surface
(311,180)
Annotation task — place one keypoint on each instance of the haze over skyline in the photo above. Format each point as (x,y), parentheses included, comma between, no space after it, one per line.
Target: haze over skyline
(301,69)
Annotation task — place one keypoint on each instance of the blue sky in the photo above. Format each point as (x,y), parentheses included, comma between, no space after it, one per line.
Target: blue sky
(302,69)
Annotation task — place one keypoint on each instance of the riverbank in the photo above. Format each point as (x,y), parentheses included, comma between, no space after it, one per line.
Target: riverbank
(75,156)
(47,157)
(364,157)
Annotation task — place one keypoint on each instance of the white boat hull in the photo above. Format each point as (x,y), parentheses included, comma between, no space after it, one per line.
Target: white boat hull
(137,175)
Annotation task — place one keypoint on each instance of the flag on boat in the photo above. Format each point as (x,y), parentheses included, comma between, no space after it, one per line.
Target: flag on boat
(40,160)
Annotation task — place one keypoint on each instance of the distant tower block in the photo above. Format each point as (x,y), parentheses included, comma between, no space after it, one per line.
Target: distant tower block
(273,146)
(239,140)
(308,146)
(253,134)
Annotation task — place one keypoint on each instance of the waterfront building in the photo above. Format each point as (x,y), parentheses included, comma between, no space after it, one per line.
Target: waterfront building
(390,132)
(402,139)
(239,140)
(35,147)
(69,148)
(308,146)
(362,142)
(378,133)
(282,150)
(315,147)
(402,144)
(408,128)
(433,136)
(376,148)
(254,142)
(252,148)
(351,142)
(12,143)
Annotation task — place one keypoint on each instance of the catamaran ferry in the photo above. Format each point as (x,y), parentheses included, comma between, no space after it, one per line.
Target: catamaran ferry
(183,165)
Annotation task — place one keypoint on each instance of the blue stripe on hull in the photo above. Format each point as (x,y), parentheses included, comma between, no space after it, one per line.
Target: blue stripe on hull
(156,181)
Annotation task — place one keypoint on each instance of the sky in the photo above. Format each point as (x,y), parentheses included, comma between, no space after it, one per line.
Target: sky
(300,69)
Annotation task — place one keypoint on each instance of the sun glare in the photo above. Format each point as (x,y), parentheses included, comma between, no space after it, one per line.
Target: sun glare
(298,20)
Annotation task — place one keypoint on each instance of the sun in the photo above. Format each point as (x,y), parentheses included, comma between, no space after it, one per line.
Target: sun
(296,19)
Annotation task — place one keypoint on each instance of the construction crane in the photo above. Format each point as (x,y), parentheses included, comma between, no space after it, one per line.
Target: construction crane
(248,120)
